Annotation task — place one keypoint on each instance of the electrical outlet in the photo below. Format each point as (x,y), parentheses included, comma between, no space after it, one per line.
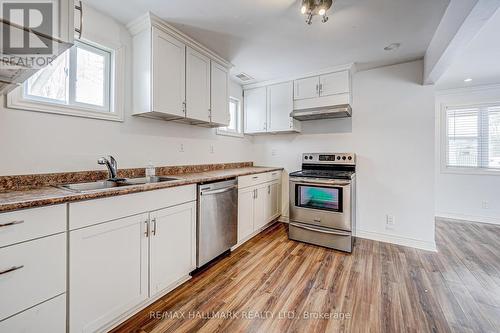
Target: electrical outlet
(274,152)
(212,149)
(390,222)
(181,148)
(486,205)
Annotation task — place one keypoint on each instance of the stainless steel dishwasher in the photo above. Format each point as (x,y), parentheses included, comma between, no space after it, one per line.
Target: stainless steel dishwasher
(217,219)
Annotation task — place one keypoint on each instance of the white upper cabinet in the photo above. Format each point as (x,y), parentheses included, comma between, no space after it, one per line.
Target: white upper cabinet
(306,88)
(172,76)
(334,83)
(219,95)
(197,86)
(169,74)
(255,106)
(280,105)
(323,91)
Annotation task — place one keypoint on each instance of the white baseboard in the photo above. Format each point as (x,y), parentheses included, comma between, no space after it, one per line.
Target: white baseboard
(467,218)
(415,243)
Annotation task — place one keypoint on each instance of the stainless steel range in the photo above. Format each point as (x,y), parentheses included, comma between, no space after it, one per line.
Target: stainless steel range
(323,200)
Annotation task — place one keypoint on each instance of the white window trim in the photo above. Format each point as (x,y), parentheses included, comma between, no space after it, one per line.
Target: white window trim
(17,100)
(443,150)
(239,134)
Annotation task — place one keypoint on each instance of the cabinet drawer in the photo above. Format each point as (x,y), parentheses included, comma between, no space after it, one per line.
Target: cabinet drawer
(251,180)
(275,175)
(86,213)
(40,273)
(49,316)
(28,224)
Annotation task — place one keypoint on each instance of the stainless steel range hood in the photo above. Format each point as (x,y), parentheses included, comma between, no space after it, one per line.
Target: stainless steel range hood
(330,112)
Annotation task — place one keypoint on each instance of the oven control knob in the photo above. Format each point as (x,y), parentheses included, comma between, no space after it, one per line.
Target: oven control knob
(306,157)
(343,158)
(349,158)
(310,157)
(338,157)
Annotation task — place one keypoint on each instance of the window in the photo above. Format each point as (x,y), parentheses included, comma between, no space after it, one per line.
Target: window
(79,82)
(473,138)
(235,127)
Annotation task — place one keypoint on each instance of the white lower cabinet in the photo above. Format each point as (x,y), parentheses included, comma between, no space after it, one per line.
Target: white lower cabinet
(258,203)
(172,246)
(119,264)
(49,316)
(108,272)
(246,211)
(31,273)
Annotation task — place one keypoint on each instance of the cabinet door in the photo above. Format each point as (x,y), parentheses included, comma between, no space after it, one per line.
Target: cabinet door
(334,83)
(262,207)
(172,245)
(49,316)
(280,99)
(306,88)
(246,199)
(197,86)
(219,91)
(273,192)
(108,271)
(169,74)
(255,110)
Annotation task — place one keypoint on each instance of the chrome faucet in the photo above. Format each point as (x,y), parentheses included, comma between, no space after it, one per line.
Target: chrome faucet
(110,162)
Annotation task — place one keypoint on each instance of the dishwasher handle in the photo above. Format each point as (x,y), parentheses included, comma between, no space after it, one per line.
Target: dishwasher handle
(222,190)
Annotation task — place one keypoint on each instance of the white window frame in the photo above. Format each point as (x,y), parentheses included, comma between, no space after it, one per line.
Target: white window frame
(239,121)
(113,110)
(444,141)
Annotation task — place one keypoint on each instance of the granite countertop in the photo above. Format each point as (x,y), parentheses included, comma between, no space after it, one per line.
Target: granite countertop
(50,195)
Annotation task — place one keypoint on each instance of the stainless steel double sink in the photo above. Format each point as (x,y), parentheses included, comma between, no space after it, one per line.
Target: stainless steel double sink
(106,184)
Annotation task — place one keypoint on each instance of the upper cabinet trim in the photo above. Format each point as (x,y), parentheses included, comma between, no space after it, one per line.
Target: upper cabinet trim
(149,19)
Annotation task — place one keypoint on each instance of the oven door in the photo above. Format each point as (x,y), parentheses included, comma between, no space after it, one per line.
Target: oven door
(321,202)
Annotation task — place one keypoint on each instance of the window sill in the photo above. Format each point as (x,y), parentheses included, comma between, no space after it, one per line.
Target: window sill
(16,101)
(233,134)
(470,172)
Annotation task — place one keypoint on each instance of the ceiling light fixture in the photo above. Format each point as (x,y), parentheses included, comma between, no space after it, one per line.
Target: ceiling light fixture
(392,46)
(468,80)
(309,8)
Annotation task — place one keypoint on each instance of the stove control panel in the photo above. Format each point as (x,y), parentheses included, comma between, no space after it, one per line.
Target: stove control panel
(329,158)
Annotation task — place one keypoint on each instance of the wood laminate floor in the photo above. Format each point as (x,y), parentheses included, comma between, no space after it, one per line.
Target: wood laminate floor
(272,284)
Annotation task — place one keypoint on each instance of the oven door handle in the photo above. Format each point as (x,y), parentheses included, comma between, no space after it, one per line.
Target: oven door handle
(338,233)
(316,182)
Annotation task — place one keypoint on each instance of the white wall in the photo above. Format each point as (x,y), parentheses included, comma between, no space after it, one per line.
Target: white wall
(461,196)
(33,142)
(392,133)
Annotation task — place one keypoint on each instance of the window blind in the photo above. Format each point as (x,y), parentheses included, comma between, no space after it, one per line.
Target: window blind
(473,137)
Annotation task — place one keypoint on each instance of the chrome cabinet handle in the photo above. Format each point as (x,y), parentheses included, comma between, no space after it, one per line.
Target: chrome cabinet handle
(317,89)
(79,7)
(154,226)
(12,269)
(320,88)
(317,220)
(268,189)
(146,233)
(8,224)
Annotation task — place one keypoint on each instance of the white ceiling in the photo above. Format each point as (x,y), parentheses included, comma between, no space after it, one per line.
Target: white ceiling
(480,60)
(269,39)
